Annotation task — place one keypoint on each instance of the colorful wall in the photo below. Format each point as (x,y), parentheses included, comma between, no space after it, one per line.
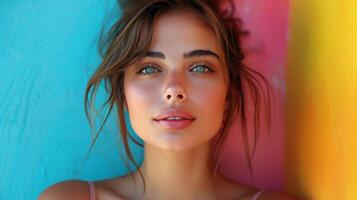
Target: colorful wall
(321,100)
(265,48)
(305,48)
(48,51)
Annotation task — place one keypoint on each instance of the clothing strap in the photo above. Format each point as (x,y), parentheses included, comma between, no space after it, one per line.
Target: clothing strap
(92,195)
(257,195)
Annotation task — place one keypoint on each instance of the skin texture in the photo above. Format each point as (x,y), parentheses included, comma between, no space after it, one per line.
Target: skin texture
(176,161)
(203,93)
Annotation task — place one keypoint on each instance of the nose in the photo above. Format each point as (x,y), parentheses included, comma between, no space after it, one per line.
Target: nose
(175,93)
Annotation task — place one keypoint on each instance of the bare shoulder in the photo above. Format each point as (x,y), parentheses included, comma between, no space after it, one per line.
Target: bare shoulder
(71,189)
(116,188)
(276,196)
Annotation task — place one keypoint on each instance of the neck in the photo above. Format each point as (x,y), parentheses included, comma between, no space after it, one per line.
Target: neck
(178,175)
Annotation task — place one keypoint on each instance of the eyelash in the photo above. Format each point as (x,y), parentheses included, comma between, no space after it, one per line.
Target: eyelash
(209,70)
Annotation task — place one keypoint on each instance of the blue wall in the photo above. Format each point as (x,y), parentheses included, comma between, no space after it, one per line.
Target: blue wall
(48,52)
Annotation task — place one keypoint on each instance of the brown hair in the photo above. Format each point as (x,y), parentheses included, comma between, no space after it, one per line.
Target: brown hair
(129,39)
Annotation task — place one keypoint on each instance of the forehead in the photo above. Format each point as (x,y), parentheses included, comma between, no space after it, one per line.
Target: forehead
(183,30)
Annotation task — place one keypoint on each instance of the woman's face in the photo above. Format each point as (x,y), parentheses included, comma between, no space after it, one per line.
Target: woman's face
(183,70)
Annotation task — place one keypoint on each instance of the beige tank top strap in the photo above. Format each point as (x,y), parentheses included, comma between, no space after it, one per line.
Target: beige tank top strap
(92,195)
(258,194)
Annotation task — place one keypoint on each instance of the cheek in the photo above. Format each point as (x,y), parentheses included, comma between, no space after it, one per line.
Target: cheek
(139,98)
(211,103)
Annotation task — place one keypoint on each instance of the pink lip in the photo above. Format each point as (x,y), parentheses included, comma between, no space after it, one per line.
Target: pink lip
(174,124)
(174,112)
(177,124)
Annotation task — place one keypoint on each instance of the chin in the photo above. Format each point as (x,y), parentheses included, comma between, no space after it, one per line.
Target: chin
(176,143)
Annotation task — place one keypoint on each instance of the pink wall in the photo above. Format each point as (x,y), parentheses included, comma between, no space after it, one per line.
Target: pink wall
(265,47)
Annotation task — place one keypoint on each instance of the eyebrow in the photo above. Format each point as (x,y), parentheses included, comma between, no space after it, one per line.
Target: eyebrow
(190,54)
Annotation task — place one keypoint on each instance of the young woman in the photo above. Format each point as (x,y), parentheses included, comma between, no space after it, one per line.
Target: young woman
(176,67)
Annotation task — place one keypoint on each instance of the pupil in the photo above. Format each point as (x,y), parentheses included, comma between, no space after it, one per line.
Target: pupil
(200,69)
(150,70)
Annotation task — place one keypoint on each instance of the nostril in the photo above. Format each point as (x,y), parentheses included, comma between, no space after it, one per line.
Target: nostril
(180,96)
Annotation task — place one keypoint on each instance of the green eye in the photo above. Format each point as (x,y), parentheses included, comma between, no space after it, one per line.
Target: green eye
(150,69)
(147,70)
(201,68)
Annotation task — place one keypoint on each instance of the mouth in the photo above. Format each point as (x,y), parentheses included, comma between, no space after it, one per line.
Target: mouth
(174,118)
(174,122)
